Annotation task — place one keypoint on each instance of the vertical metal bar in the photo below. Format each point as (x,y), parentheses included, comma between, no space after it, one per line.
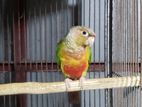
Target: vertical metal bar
(122,62)
(13,49)
(57,29)
(20,98)
(66,18)
(128,50)
(8,54)
(73,12)
(110,49)
(137,54)
(141,51)
(3,98)
(51,43)
(131,49)
(139,23)
(5,25)
(99,46)
(119,10)
(57,35)
(68,25)
(79,12)
(110,37)
(19,37)
(10,97)
(35,38)
(45,35)
(123,39)
(105,14)
(56,20)
(106,47)
(51,34)
(94,14)
(18,28)
(125,48)
(37,45)
(89,26)
(41,40)
(89,12)
(61,19)
(134,51)
(3,46)
(125,45)
(84,6)
(43,56)
(25,38)
(8,41)
(83,23)
(41,74)
(30,41)
(45,38)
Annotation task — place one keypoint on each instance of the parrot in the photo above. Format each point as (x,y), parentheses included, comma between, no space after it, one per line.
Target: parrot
(73,54)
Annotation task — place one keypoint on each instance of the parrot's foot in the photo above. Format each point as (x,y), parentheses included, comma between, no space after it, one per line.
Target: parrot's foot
(81,81)
(67,83)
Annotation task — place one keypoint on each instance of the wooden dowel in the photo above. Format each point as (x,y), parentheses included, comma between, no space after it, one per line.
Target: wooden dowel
(56,87)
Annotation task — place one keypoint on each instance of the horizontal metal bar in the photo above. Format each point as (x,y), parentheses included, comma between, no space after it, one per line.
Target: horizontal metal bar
(46,66)
(38,66)
(131,67)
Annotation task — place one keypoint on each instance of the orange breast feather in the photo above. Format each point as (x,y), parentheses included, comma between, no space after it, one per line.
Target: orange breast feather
(73,67)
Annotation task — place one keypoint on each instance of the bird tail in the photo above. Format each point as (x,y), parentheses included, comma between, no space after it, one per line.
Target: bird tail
(74,97)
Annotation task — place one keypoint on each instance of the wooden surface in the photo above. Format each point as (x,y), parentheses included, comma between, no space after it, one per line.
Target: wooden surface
(56,87)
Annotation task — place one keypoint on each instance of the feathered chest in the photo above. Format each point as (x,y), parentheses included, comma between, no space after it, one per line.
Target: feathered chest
(73,64)
(74,55)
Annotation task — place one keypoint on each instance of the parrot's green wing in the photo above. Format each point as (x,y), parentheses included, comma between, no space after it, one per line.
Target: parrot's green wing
(58,50)
(89,55)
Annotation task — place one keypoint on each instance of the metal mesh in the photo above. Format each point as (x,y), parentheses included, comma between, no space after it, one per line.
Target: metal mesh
(126,50)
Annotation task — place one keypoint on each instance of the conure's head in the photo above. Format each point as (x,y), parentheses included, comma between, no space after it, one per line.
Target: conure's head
(81,36)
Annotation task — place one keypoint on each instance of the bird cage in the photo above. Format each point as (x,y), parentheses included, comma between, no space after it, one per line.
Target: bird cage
(29,33)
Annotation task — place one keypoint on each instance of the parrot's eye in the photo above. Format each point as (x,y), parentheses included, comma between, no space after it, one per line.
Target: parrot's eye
(85,33)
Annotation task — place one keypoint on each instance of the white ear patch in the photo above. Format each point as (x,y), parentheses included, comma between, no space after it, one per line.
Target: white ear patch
(90,41)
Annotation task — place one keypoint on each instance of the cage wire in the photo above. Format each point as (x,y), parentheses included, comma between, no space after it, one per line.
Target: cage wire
(30,30)
(127,30)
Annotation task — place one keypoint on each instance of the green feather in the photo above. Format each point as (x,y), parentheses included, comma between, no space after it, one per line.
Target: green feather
(58,49)
(89,54)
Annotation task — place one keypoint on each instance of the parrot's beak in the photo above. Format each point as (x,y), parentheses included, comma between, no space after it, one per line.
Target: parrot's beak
(90,40)
(92,35)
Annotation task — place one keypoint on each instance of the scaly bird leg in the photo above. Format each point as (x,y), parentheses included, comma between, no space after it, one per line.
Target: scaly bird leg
(67,83)
(81,81)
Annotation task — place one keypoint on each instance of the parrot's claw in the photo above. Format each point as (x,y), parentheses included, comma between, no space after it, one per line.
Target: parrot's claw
(67,83)
(81,82)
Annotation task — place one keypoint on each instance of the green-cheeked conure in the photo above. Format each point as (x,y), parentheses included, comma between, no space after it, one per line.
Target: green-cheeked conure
(73,53)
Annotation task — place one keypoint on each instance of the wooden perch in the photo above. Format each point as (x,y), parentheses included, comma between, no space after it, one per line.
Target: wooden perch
(56,87)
